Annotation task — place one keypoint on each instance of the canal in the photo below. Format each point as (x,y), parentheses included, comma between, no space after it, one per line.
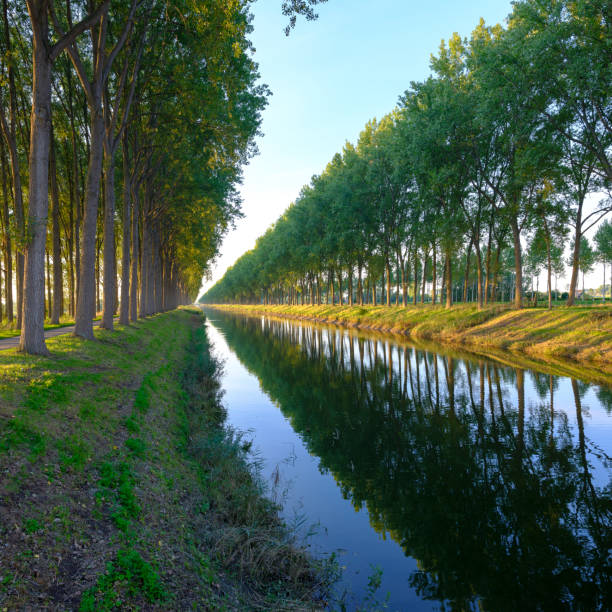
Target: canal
(437,480)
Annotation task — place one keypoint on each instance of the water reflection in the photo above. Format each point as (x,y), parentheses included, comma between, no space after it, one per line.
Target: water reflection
(483,473)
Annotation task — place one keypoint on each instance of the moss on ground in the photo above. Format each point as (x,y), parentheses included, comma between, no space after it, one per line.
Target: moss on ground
(577,340)
(121,488)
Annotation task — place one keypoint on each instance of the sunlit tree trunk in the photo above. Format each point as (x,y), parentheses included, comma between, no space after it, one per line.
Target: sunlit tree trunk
(58,283)
(518,264)
(448,278)
(124,312)
(8,255)
(434,271)
(32,338)
(10,132)
(135,252)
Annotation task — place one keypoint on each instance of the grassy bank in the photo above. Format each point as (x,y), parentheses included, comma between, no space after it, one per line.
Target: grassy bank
(572,336)
(121,488)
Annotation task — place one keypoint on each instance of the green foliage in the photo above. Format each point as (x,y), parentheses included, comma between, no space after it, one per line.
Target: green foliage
(46,390)
(129,576)
(31,526)
(117,490)
(141,401)
(73,452)
(587,256)
(501,144)
(17,432)
(136,446)
(603,242)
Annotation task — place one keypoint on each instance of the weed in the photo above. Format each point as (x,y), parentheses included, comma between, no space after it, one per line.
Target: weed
(42,392)
(136,446)
(129,575)
(73,453)
(6,580)
(117,489)
(17,433)
(131,424)
(31,526)
(142,400)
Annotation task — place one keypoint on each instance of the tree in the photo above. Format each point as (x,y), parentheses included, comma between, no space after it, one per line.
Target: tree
(603,243)
(586,260)
(44,54)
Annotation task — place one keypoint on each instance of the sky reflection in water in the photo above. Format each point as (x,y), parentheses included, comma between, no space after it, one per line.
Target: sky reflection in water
(468,483)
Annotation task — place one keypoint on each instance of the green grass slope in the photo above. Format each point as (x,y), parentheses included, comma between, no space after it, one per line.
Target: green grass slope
(121,489)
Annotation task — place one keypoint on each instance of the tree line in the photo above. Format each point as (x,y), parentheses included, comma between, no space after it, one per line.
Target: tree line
(125,125)
(471,186)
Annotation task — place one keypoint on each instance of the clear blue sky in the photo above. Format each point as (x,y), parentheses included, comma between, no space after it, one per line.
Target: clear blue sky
(328,78)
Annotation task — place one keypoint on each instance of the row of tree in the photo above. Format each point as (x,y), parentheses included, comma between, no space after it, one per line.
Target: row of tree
(500,148)
(143,113)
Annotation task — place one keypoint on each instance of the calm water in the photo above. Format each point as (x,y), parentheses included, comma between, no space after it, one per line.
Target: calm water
(469,484)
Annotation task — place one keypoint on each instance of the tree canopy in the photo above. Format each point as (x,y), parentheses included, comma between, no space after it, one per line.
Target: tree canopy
(143,115)
(497,150)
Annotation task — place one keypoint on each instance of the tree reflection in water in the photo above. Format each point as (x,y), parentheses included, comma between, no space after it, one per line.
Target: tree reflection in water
(491,491)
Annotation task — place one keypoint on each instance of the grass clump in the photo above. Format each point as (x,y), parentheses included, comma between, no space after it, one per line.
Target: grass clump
(127,577)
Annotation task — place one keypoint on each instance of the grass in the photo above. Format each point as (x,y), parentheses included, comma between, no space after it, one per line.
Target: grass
(122,488)
(579,337)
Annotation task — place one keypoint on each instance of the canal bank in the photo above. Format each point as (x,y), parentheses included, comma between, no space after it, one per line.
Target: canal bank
(122,488)
(574,341)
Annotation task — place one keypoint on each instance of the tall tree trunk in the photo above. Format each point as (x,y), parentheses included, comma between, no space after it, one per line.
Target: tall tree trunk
(48,271)
(86,299)
(496,267)
(8,255)
(43,53)
(518,264)
(135,252)
(549,274)
(124,313)
(416,278)
(404,285)
(466,277)
(424,283)
(110,263)
(434,272)
(488,267)
(448,277)
(479,275)
(398,275)
(58,283)
(32,338)
(388,274)
(10,132)
(576,256)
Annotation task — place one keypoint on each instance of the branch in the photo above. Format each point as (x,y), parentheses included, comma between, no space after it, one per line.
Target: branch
(122,39)
(67,39)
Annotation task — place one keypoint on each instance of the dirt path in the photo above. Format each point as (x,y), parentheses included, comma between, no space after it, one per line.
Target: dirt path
(9,343)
